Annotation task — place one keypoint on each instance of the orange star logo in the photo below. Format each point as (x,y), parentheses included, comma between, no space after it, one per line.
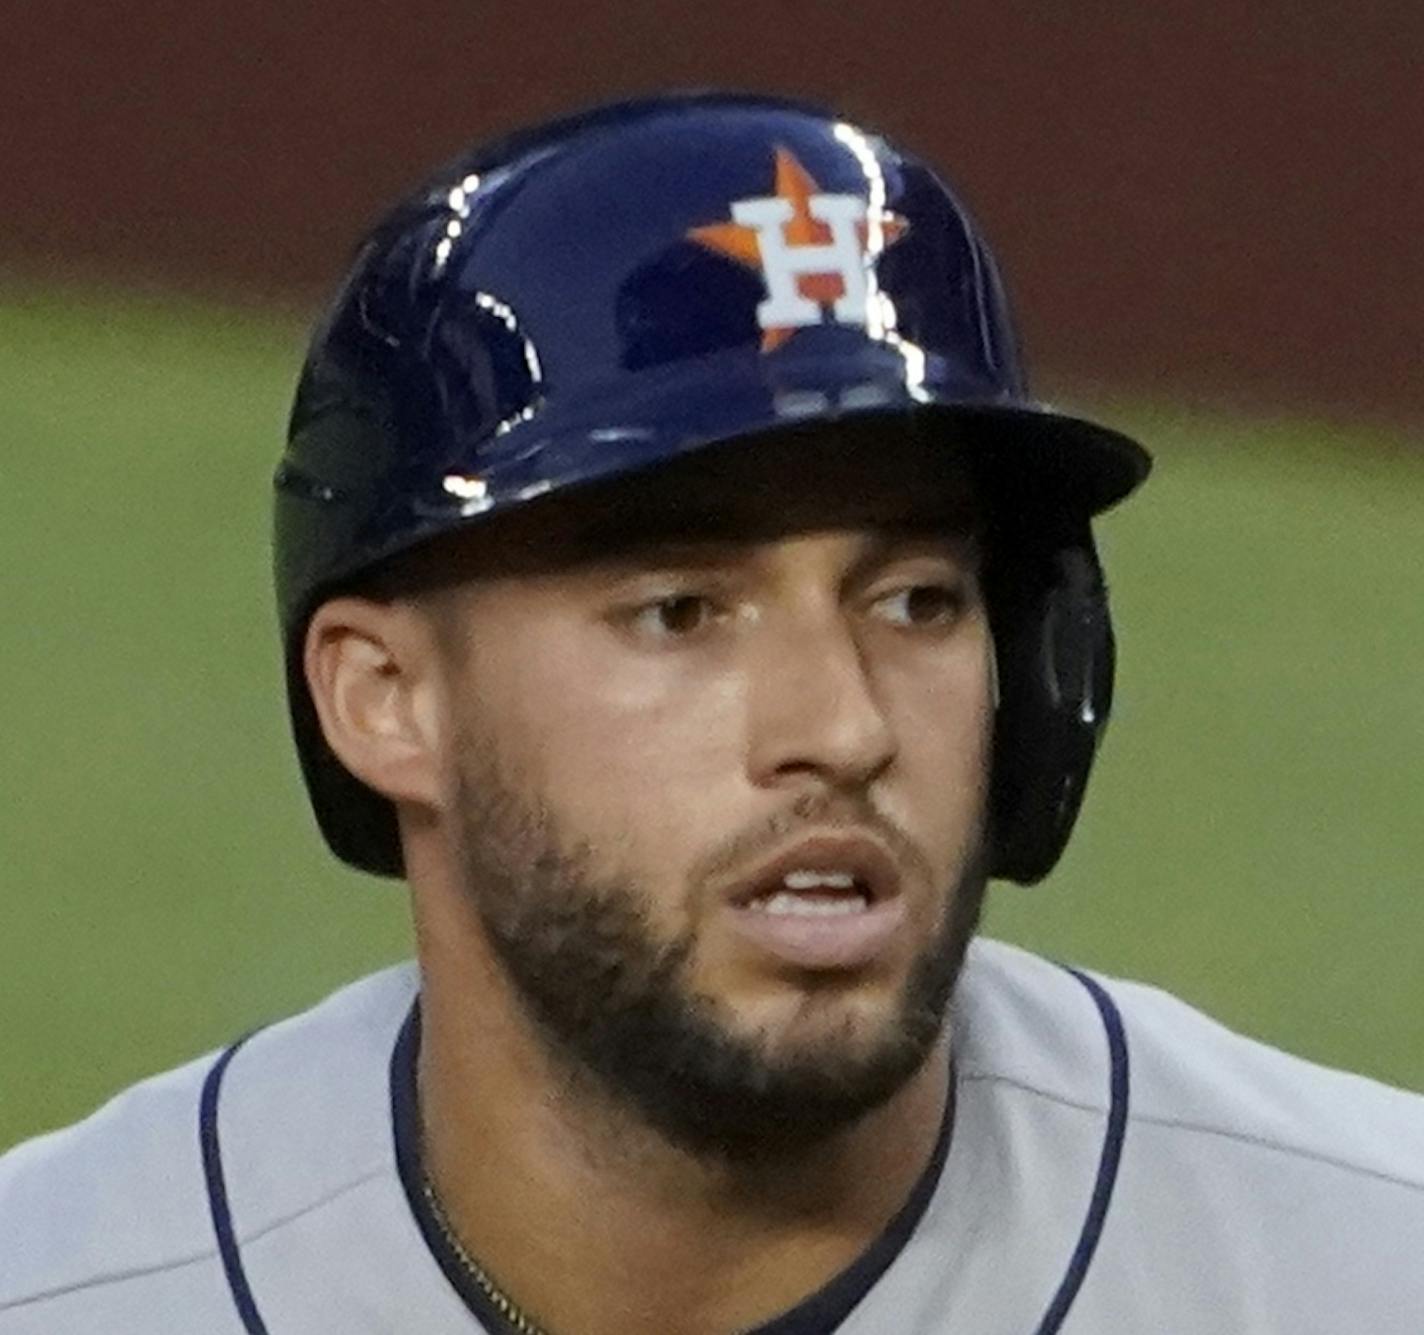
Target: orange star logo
(813,249)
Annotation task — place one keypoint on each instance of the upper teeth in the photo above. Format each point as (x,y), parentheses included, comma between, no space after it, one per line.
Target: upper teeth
(793,899)
(816,880)
(783,902)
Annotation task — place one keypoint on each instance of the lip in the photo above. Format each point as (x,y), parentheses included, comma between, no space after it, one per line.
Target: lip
(849,942)
(864,857)
(842,942)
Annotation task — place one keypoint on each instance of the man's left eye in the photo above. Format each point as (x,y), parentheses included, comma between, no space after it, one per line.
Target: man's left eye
(922,605)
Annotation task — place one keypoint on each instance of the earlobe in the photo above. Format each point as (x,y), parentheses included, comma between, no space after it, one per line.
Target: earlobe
(369,671)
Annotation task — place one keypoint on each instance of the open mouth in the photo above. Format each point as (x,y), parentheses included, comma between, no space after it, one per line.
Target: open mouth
(820,874)
(813,894)
(826,902)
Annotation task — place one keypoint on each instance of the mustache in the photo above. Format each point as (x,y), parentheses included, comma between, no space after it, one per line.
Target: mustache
(810,812)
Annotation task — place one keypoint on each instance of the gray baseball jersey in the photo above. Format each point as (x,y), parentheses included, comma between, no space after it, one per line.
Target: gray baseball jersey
(1118,1163)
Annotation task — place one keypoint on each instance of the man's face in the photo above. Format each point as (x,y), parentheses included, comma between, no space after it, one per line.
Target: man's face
(719,777)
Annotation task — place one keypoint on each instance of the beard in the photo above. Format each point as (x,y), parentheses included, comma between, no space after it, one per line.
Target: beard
(614,1004)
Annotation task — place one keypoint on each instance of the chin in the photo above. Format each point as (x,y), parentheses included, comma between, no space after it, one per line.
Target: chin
(832,1025)
(822,1009)
(787,1081)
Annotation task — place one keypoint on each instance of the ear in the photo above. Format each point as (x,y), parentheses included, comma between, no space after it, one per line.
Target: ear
(373,672)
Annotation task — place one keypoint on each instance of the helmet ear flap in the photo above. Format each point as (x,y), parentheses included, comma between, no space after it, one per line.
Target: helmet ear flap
(1055,651)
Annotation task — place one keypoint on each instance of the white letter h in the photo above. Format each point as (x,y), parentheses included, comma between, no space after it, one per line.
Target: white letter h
(783,264)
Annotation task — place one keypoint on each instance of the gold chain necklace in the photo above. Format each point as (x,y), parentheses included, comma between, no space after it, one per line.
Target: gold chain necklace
(503,1303)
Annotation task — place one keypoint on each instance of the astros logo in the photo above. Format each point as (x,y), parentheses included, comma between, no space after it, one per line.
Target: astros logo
(816,251)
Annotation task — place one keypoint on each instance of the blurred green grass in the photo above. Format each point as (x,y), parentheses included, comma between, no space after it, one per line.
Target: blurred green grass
(1253,840)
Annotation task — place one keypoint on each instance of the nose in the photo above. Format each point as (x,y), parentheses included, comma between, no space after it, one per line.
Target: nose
(814,711)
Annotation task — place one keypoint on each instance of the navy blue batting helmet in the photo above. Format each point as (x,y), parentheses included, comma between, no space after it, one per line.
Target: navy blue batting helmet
(601,294)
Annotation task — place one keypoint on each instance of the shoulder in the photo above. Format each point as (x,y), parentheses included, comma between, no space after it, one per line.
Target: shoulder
(1198,1079)
(1040,1024)
(118,1210)
(1188,1072)
(108,1202)
(1244,1180)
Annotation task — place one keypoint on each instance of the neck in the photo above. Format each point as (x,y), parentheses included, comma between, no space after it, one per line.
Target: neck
(592,1222)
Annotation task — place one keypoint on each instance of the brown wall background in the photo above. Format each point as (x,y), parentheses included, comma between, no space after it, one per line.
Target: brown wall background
(1215,198)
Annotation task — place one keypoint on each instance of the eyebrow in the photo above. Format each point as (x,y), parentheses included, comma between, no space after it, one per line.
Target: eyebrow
(705,535)
(612,532)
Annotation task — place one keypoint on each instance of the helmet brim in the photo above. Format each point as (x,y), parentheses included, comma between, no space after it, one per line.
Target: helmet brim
(1068,463)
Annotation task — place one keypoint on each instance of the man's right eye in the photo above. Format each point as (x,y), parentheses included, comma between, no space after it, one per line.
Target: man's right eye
(674,617)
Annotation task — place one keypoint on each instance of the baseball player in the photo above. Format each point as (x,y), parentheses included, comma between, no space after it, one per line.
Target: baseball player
(682,593)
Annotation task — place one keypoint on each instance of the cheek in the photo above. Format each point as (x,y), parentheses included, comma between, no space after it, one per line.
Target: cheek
(948,724)
(942,712)
(631,751)
(646,723)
